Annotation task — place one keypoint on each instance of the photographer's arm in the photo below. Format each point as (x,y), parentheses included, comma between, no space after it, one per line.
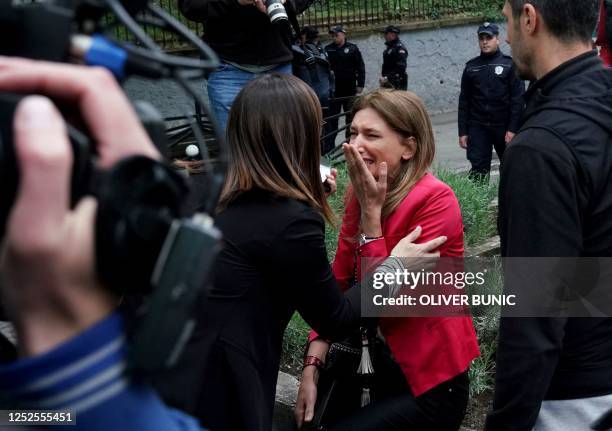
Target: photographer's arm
(68,339)
(202,10)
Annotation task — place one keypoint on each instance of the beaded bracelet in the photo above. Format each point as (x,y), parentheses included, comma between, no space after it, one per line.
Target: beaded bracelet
(313,360)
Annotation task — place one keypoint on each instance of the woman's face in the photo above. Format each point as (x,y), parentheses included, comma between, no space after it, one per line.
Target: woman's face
(377,142)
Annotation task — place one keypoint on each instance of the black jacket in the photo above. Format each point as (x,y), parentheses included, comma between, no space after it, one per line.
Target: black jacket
(555,199)
(243,34)
(348,67)
(491,93)
(273,263)
(395,57)
(310,63)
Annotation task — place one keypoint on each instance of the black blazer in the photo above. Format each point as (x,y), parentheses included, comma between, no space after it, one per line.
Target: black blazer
(274,262)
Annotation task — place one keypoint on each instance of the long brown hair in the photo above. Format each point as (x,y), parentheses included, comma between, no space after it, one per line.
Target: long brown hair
(405,113)
(273,136)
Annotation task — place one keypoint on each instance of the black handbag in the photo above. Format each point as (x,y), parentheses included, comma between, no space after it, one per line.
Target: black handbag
(350,381)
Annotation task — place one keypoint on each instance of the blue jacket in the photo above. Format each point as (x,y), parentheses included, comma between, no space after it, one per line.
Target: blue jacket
(88,375)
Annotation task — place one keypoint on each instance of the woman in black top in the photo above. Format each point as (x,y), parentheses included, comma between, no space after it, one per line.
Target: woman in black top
(274,260)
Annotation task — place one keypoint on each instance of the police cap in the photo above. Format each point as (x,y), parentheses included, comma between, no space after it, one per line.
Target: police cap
(488,28)
(391,29)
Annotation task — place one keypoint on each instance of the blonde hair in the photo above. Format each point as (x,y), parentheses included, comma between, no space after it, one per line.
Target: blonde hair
(405,113)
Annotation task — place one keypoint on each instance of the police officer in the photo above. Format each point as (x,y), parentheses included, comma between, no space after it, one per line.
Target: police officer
(349,71)
(490,104)
(394,61)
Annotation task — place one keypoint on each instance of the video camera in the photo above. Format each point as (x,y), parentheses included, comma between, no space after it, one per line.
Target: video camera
(146,243)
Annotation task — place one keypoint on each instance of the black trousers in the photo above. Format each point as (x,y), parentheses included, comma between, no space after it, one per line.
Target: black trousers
(439,409)
(345,104)
(400,82)
(481,141)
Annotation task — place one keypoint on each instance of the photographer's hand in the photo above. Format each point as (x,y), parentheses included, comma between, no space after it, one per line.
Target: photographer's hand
(47,258)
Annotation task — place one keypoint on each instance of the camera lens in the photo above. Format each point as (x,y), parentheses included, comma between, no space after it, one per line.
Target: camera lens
(276,10)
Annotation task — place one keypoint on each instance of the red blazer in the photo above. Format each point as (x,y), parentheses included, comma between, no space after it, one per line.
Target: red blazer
(429,350)
(602,36)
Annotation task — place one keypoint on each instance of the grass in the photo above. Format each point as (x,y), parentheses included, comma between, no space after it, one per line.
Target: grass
(294,343)
(479,221)
(486,323)
(474,199)
(349,11)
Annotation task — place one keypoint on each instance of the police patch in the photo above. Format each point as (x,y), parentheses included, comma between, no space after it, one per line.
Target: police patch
(346,50)
(401,51)
(499,70)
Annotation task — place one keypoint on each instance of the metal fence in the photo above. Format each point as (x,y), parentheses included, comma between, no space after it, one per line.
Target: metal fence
(356,14)
(372,13)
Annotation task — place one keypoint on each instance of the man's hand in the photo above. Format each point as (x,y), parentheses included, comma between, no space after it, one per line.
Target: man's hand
(47,258)
(509,137)
(463,142)
(48,255)
(383,81)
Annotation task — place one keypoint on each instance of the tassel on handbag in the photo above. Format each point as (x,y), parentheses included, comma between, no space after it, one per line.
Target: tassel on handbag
(365,367)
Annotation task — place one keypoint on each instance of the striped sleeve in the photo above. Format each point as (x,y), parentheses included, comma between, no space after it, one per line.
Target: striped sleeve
(88,375)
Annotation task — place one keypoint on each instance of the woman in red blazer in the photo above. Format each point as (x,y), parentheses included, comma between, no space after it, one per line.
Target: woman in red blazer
(389,155)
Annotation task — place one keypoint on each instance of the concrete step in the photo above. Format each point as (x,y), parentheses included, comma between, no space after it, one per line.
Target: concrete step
(488,248)
(286,394)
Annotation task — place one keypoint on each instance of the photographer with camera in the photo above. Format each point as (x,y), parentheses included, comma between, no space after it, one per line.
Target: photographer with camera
(71,342)
(251,37)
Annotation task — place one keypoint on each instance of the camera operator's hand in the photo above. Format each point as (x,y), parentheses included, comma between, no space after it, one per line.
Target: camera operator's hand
(94,93)
(47,258)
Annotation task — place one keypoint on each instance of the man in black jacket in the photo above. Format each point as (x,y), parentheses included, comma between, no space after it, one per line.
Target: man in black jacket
(349,72)
(395,59)
(490,103)
(311,65)
(555,199)
(241,33)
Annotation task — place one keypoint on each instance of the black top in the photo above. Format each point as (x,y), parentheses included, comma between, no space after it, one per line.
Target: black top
(274,262)
(243,34)
(491,93)
(555,199)
(311,65)
(348,67)
(395,59)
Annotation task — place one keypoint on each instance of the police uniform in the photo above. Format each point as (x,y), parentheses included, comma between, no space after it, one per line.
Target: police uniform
(349,73)
(490,104)
(395,59)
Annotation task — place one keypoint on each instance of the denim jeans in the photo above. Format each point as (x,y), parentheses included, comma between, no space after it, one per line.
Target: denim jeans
(225,83)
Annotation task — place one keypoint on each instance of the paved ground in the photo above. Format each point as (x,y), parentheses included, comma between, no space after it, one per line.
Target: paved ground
(448,152)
